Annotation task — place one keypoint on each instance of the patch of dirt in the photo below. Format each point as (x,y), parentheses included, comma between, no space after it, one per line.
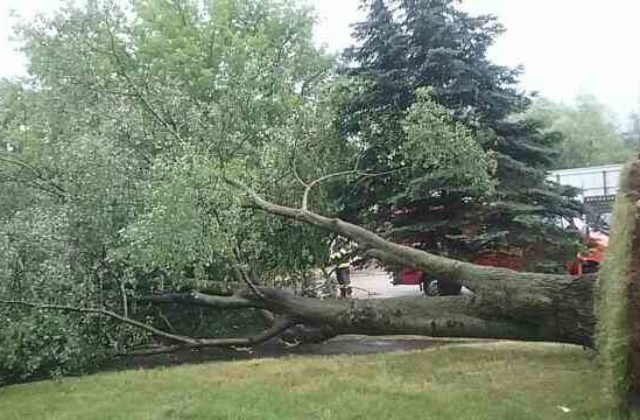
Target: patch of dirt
(348,344)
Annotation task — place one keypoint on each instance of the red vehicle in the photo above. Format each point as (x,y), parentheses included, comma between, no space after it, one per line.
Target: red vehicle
(586,262)
(589,261)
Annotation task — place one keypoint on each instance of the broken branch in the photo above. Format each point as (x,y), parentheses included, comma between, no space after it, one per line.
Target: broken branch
(201,299)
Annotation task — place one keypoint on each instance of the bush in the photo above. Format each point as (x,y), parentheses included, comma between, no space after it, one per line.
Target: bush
(37,344)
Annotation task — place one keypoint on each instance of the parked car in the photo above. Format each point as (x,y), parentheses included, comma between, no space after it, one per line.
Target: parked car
(588,261)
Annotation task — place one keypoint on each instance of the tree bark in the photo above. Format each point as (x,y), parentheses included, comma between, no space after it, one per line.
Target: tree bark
(560,312)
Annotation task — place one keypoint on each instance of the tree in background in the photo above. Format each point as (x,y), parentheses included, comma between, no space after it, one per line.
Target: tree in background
(404,45)
(589,136)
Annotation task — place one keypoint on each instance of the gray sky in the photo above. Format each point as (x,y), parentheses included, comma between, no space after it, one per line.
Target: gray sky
(567,46)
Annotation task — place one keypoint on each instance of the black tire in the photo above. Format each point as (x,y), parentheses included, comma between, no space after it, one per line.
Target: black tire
(433,288)
(590,267)
(430,288)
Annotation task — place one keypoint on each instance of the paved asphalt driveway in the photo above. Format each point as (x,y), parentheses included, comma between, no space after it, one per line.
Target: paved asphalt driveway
(374,283)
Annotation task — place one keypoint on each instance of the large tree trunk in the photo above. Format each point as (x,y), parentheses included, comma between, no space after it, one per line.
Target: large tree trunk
(562,313)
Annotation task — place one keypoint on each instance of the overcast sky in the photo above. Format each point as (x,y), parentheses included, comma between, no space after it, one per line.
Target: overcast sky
(566,46)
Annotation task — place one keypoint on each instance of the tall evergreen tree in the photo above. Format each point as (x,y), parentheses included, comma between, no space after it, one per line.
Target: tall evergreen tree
(404,45)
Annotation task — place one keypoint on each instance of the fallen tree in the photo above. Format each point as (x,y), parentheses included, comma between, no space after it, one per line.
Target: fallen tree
(505,305)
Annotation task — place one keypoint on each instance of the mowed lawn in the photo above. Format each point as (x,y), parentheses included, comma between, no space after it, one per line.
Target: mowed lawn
(470,381)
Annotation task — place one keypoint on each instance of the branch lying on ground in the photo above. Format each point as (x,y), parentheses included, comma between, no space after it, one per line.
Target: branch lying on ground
(201,299)
(105,312)
(279,325)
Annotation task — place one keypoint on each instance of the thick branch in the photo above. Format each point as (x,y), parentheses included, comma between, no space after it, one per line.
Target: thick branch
(499,282)
(201,299)
(279,326)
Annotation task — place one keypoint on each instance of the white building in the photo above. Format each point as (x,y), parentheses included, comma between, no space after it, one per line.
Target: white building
(595,181)
(598,186)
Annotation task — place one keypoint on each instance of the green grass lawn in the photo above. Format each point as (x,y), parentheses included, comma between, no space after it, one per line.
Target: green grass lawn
(470,381)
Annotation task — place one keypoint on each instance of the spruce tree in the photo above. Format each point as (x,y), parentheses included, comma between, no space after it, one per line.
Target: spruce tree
(404,45)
